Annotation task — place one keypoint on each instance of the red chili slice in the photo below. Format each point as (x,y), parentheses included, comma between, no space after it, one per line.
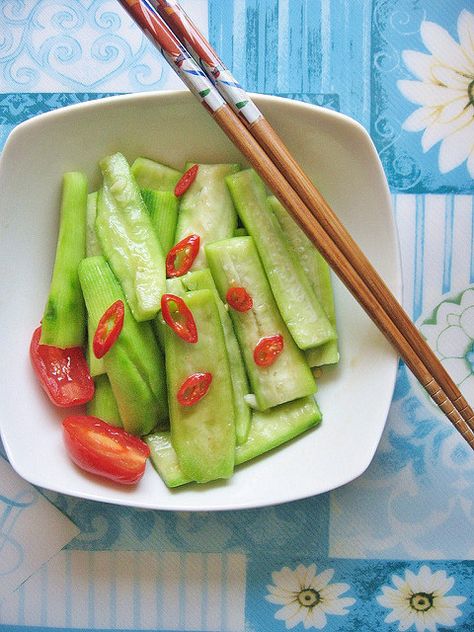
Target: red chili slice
(194,388)
(63,373)
(268,349)
(102,449)
(109,328)
(186,180)
(180,318)
(239,299)
(181,257)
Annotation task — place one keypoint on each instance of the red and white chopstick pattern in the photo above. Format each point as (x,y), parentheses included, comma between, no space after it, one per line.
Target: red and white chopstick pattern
(146,15)
(208,59)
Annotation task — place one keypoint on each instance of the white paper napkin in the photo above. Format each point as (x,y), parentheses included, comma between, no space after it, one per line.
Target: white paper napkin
(32,530)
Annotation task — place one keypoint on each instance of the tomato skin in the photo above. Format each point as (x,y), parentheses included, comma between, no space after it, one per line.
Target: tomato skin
(186,180)
(194,388)
(186,250)
(268,349)
(108,329)
(181,319)
(102,449)
(63,373)
(239,299)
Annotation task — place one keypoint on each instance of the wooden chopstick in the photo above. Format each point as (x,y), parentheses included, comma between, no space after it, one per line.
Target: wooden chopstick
(269,157)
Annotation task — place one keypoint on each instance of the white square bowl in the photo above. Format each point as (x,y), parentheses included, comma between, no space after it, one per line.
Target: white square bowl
(173,128)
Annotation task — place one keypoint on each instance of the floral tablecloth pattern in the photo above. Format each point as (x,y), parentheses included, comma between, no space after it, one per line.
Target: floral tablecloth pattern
(393,550)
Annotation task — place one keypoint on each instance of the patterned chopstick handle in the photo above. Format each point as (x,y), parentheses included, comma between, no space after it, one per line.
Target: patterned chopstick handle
(158,32)
(200,48)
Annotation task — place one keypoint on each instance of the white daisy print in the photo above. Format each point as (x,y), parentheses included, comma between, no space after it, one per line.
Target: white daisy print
(445,92)
(306,597)
(420,602)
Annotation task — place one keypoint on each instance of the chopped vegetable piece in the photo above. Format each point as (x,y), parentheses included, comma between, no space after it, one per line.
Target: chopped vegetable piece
(150,174)
(96,365)
(319,276)
(175,286)
(194,388)
(236,262)
(268,430)
(108,329)
(297,303)
(203,435)
(275,426)
(63,373)
(202,280)
(104,405)
(140,409)
(101,449)
(64,317)
(268,349)
(206,209)
(128,239)
(179,318)
(164,459)
(134,364)
(238,298)
(163,209)
(186,181)
(92,241)
(183,254)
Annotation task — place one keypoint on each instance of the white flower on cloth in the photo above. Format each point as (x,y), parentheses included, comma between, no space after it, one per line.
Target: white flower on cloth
(420,600)
(445,92)
(451,335)
(307,597)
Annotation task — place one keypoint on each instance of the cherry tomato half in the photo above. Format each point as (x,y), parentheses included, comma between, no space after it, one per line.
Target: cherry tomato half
(239,299)
(63,373)
(186,180)
(109,328)
(268,349)
(179,318)
(194,388)
(181,257)
(102,449)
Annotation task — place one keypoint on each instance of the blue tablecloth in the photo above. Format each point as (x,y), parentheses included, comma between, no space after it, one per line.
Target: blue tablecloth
(393,550)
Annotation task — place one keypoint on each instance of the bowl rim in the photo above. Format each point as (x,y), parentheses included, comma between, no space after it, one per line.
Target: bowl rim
(171,95)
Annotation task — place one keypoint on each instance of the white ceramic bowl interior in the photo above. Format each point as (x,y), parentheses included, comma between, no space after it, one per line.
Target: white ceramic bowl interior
(173,128)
